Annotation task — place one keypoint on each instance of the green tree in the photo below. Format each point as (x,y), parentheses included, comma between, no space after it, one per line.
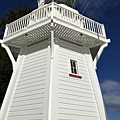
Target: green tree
(11,16)
(5,63)
(5,72)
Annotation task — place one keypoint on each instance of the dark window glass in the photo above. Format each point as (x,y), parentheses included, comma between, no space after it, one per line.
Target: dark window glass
(73,66)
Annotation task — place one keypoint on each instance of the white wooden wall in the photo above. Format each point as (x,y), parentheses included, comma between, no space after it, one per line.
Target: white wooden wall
(28,99)
(71,98)
(76,98)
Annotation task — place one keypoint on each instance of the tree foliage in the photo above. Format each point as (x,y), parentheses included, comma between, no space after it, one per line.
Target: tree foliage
(11,16)
(5,72)
(5,63)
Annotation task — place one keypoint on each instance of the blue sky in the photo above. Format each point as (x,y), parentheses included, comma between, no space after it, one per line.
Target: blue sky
(108,13)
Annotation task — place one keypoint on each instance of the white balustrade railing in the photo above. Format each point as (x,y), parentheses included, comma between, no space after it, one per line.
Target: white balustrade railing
(93,26)
(59,12)
(70,16)
(27,20)
(67,15)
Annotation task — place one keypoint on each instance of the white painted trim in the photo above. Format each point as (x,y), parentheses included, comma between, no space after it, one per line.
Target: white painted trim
(51,72)
(95,84)
(99,54)
(46,98)
(1,41)
(55,83)
(6,30)
(11,86)
(10,55)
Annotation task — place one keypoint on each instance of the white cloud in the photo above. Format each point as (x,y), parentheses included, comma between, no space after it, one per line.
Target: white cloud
(111,94)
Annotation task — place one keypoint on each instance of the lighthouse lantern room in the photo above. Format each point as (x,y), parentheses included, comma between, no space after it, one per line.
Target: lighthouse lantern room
(54,52)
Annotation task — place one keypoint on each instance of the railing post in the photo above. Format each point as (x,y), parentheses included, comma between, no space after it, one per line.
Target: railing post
(81,22)
(52,10)
(6,30)
(103,31)
(32,18)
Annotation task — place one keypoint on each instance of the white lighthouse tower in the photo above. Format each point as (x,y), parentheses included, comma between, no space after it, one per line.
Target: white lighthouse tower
(54,51)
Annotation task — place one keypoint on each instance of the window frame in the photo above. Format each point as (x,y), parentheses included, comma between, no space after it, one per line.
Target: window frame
(74,74)
(73,67)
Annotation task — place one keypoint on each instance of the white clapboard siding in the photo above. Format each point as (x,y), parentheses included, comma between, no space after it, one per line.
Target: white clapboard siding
(76,98)
(28,99)
(76,117)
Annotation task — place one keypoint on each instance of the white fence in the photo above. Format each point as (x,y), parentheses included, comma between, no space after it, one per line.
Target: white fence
(54,10)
